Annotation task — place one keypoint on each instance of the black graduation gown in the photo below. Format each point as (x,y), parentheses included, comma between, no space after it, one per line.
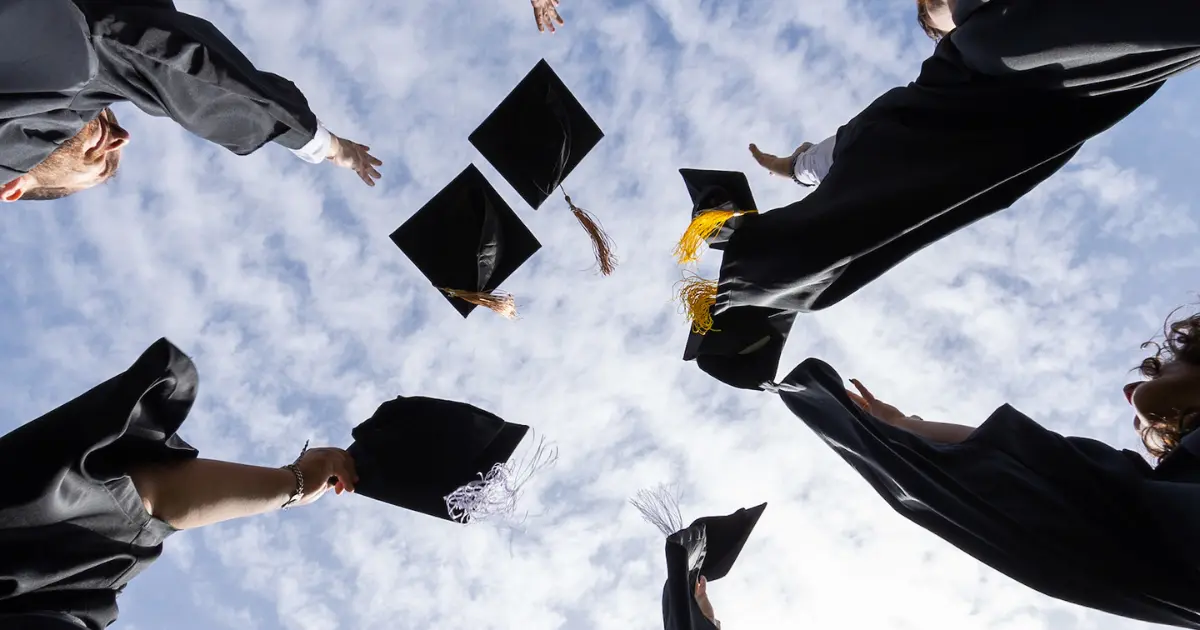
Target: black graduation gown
(73,529)
(62,62)
(1004,102)
(1070,517)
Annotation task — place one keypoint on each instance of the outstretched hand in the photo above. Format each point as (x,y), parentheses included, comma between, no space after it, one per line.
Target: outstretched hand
(702,599)
(874,406)
(355,157)
(546,14)
(781,166)
(320,466)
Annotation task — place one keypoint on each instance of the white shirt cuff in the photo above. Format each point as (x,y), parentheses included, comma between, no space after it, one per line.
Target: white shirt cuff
(814,164)
(315,151)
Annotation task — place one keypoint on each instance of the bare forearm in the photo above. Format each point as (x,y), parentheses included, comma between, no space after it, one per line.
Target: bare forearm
(943,432)
(201,492)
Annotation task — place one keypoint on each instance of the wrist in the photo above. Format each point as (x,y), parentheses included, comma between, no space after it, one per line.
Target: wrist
(285,483)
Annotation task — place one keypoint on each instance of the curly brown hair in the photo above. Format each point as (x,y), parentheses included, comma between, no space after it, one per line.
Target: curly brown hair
(1181,343)
(925,20)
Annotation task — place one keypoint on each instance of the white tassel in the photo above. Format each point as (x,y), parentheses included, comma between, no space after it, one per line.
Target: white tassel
(699,550)
(660,508)
(497,492)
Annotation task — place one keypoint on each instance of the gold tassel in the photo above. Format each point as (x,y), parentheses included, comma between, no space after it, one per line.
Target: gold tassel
(706,225)
(698,296)
(498,301)
(602,245)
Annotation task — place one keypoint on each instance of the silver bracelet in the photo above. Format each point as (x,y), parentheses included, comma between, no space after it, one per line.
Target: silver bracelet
(295,468)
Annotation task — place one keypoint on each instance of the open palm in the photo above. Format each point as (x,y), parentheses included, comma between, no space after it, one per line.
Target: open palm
(546,14)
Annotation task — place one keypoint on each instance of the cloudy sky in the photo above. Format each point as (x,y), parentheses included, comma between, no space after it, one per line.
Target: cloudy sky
(278,277)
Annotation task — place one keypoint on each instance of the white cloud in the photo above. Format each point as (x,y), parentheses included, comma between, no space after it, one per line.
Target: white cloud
(280,280)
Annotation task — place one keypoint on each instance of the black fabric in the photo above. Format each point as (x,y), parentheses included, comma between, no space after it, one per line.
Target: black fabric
(466,238)
(165,62)
(708,547)
(414,451)
(744,346)
(41,621)
(537,135)
(73,530)
(718,190)
(1085,47)
(920,163)
(1070,517)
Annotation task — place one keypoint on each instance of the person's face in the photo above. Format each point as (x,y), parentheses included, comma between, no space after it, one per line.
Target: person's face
(941,16)
(1176,388)
(91,157)
(96,157)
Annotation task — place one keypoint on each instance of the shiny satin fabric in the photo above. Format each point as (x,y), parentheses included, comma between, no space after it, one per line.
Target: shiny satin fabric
(164,62)
(74,532)
(1066,516)
(920,163)
(1005,101)
(708,547)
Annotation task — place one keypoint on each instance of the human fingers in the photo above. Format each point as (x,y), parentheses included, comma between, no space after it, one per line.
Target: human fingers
(866,393)
(858,400)
(345,477)
(350,470)
(764,160)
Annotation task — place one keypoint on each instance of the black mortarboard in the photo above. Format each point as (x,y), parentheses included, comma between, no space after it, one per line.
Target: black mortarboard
(744,346)
(468,241)
(708,547)
(536,136)
(720,200)
(439,457)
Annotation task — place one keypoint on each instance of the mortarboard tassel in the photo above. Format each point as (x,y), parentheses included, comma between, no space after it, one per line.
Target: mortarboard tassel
(602,245)
(698,296)
(703,227)
(497,492)
(660,508)
(498,301)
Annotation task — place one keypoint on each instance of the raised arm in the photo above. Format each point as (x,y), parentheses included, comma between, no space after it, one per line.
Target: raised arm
(807,165)
(943,432)
(200,492)
(180,66)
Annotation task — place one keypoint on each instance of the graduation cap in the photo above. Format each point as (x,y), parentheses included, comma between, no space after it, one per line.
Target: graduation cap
(536,136)
(467,240)
(744,347)
(720,200)
(708,547)
(442,458)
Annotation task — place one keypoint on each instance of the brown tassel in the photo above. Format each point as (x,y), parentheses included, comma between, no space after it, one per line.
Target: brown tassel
(698,295)
(498,301)
(602,245)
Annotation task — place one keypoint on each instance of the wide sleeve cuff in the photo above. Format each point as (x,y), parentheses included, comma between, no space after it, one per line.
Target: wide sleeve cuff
(318,148)
(814,164)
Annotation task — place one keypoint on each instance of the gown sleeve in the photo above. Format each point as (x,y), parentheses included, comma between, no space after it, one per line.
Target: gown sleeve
(74,531)
(1067,516)
(169,63)
(918,164)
